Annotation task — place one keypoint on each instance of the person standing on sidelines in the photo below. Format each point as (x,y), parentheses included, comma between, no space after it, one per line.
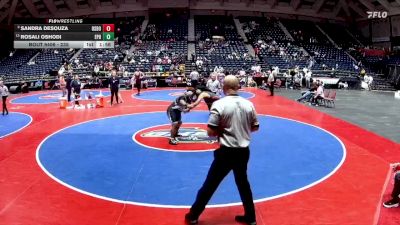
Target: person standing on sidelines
(68,85)
(138,79)
(213,84)
(76,85)
(194,78)
(114,86)
(271,81)
(232,119)
(4,94)
(63,84)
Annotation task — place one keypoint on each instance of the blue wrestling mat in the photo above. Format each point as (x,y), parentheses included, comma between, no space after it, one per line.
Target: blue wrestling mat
(13,123)
(51,97)
(108,158)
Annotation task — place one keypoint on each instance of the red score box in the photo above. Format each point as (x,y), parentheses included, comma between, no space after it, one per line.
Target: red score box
(108,27)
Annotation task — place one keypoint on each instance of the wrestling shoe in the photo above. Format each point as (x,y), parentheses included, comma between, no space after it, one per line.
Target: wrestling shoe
(189,220)
(173,141)
(391,203)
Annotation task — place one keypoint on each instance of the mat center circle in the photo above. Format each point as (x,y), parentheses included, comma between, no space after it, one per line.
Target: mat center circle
(191,137)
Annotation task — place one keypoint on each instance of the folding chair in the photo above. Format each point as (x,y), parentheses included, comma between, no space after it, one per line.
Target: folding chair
(330,98)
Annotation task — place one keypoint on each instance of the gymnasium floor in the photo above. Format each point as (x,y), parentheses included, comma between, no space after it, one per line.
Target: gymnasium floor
(114,165)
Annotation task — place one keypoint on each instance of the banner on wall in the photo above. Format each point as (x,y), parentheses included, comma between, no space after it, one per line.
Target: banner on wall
(396,26)
(380,39)
(373,52)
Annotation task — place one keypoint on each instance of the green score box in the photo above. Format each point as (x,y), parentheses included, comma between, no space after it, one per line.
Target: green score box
(108,36)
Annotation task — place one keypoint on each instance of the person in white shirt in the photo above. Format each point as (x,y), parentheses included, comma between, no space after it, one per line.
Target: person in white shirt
(199,62)
(242,72)
(370,79)
(232,119)
(308,79)
(305,70)
(319,94)
(194,78)
(366,79)
(213,84)
(61,70)
(287,79)
(96,69)
(4,94)
(271,81)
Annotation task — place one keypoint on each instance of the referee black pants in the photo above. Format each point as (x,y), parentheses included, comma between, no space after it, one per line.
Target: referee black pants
(5,110)
(69,91)
(114,92)
(271,88)
(194,83)
(225,160)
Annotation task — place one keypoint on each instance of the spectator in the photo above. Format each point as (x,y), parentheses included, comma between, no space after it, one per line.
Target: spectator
(319,94)
(194,78)
(394,202)
(4,94)
(213,84)
(308,78)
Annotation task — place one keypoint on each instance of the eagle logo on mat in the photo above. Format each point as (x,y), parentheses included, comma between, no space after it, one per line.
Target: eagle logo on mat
(186,135)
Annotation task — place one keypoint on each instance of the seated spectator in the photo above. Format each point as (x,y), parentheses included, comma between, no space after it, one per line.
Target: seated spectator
(319,94)
(264,85)
(25,88)
(370,79)
(307,95)
(343,85)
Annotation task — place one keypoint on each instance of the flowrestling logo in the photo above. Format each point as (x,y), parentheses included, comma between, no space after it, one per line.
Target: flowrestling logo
(377,14)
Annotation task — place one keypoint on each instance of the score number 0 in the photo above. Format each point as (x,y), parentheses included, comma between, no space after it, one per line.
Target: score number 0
(108,27)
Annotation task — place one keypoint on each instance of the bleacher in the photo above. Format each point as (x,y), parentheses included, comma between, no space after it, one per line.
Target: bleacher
(271,44)
(219,44)
(20,57)
(146,55)
(317,44)
(208,26)
(163,48)
(45,62)
(339,34)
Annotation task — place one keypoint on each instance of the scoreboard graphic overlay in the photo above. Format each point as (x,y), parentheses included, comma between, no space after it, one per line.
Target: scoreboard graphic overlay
(64,33)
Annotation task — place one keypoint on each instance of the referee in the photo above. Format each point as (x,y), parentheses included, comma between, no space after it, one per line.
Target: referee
(4,94)
(114,86)
(232,119)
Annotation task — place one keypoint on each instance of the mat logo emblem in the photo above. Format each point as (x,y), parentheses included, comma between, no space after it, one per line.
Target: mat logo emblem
(54,96)
(187,135)
(176,94)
